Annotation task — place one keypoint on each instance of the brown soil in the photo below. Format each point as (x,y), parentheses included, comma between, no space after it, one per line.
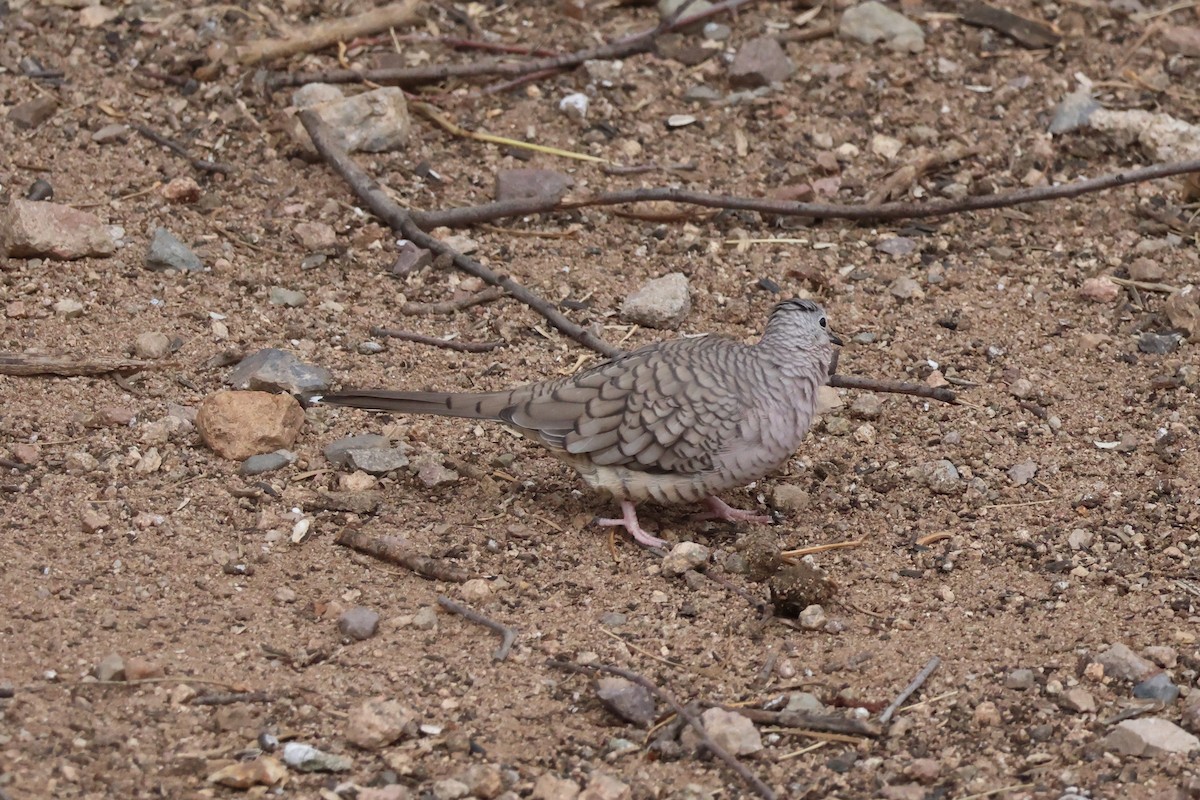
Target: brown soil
(1002,589)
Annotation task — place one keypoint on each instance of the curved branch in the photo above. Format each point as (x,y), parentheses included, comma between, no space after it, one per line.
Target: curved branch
(488,212)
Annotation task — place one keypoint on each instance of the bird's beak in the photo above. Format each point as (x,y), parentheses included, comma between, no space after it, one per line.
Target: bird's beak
(833,337)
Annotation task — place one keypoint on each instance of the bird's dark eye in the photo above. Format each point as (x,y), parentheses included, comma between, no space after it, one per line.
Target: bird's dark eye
(823,323)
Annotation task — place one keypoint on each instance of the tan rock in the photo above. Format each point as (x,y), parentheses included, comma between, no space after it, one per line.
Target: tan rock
(53,231)
(237,425)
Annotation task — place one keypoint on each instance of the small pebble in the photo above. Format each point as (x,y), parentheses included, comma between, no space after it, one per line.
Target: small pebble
(358,623)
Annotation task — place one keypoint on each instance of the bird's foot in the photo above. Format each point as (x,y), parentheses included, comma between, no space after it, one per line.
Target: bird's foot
(629,521)
(719,509)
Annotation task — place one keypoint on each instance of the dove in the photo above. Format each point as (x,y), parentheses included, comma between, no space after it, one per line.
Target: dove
(677,421)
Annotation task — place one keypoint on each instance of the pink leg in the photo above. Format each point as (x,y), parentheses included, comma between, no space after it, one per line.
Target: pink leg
(719,509)
(630,522)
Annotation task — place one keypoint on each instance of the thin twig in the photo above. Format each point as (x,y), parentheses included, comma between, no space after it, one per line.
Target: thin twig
(394,551)
(908,691)
(507,635)
(229,698)
(686,715)
(325,32)
(402,222)
(825,723)
(1145,286)
(638,43)
(201,164)
(413,309)
(895,387)
(489,212)
(433,341)
(792,555)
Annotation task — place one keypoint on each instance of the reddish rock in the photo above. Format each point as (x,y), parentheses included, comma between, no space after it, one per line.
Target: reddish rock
(237,425)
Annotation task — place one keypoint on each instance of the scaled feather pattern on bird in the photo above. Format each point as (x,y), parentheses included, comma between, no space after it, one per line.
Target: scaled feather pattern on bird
(675,421)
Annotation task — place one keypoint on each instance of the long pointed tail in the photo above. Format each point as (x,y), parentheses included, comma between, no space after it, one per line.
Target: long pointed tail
(486,405)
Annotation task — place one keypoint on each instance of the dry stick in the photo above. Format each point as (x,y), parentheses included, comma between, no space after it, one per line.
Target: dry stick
(893,387)
(31,364)
(489,212)
(229,698)
(433,341)
(416,76)
(401,221)
(687,716)
(201,164)
(394,551)
(412,309)
(324,33)
(917,682)
(507,635)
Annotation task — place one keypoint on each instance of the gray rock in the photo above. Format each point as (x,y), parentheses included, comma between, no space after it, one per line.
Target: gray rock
(371,122)
(1021,679)
(1157,687)
(897,246)
(812,618)
(166,252)
(1023,473)
(426,619)
(279,296)
(369,348)
(667,8)
(732,731)
(1158,344)
(905,288)
(306,758)
(628,700)
(314,94)
(1149,737)
(152,344)
(613,619)
(519,184)
(379,722)
(660,303)
(410,258)
(805,703)
(716,32)
(338,451)
(702,94)
(942,477)
(110,668)
(867,406)
(1190,714)
(266,462)
(684,556)
(1125,665)
(760,62)
(874,22)
(358,623)
(432,473)
(32,113)
(450,789)
(377,460)
(1079,700)
(315,237)
(272,370)
(1073,112)
(789,498)
(1183,310)
(48,230)
(109,134)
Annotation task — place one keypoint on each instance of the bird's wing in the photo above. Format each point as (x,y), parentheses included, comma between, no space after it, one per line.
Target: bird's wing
(670,408)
